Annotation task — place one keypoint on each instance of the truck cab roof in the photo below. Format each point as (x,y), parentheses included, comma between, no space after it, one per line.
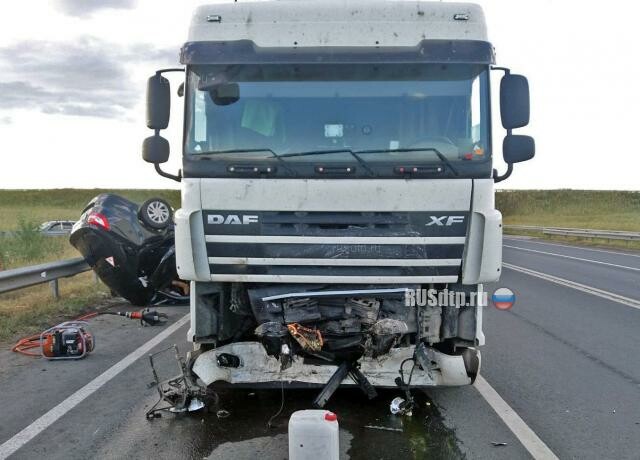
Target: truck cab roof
(337,23)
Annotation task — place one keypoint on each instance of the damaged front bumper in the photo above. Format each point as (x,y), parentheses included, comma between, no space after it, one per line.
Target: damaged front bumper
(257,368)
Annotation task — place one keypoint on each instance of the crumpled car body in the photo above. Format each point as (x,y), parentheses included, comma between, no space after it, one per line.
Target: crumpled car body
(133,260)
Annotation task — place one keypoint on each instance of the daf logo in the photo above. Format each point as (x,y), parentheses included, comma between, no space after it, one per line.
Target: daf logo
(231,219)
(442,221)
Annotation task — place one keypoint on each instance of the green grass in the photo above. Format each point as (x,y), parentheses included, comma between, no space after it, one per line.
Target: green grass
(32,310)
(62,204)
(27,246)
(598,210)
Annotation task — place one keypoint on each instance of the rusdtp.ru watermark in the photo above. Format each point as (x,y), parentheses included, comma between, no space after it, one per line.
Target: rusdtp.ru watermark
(445,298)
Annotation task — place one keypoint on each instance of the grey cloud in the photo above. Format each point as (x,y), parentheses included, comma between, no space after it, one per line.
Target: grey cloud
(86,77)
(84,8)
(6,120)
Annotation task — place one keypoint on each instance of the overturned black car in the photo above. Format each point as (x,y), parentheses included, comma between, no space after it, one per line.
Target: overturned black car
(131,248)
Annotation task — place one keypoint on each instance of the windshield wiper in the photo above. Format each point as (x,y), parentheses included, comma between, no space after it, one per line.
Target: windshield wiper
(274,154)
(417,149)
(325,152)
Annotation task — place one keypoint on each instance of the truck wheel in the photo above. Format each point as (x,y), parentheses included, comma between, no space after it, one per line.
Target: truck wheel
(156,213)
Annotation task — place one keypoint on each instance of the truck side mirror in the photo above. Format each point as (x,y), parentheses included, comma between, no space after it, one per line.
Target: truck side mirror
(514,113)
(158,102)
(517,148)
(155,149)
(514,101)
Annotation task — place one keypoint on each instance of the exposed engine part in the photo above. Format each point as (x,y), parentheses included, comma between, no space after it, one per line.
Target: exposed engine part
(272,335)
(308,338)
(271,329)
(384,334)
(238,301)
(389,326)
(345,326)
(301,310)
(365,309)
(429,322)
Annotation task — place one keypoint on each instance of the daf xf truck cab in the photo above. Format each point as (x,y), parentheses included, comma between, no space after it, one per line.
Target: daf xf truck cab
(337,164)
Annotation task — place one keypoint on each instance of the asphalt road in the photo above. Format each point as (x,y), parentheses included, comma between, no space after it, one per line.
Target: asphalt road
(561,367)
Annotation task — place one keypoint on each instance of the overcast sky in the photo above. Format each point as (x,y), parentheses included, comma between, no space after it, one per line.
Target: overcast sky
(72,82)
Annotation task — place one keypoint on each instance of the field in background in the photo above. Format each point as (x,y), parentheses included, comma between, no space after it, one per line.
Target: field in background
(62,204)
(32,309)
(598,210)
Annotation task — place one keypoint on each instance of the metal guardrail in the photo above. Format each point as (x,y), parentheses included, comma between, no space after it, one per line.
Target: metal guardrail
(19,278)
(580,232)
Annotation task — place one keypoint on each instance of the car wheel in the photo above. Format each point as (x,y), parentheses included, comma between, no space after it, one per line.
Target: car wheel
(156,213)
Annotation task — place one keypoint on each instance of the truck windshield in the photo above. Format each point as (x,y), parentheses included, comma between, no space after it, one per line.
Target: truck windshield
(299,112)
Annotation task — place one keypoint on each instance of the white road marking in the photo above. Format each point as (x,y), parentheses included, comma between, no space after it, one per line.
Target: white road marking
(578,286)
(564,256)
(581,248)
(536,447)
(49,418)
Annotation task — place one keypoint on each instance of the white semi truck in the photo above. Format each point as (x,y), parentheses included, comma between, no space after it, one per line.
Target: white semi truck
(336,155)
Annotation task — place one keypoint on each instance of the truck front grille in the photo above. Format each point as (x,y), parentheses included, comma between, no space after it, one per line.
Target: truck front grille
(334,247)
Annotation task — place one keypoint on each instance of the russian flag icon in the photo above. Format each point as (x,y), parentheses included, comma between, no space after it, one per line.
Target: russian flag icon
(503,298)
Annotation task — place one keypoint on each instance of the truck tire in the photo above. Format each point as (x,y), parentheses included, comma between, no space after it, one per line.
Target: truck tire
(156,213)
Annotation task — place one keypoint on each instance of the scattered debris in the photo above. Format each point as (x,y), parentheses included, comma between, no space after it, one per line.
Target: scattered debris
(498,444)
(385,428)
(400,406)
(345,368)
(179,392)
(222,413)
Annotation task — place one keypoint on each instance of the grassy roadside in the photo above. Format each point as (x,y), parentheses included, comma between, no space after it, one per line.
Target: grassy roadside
(30,310)
(598,210)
